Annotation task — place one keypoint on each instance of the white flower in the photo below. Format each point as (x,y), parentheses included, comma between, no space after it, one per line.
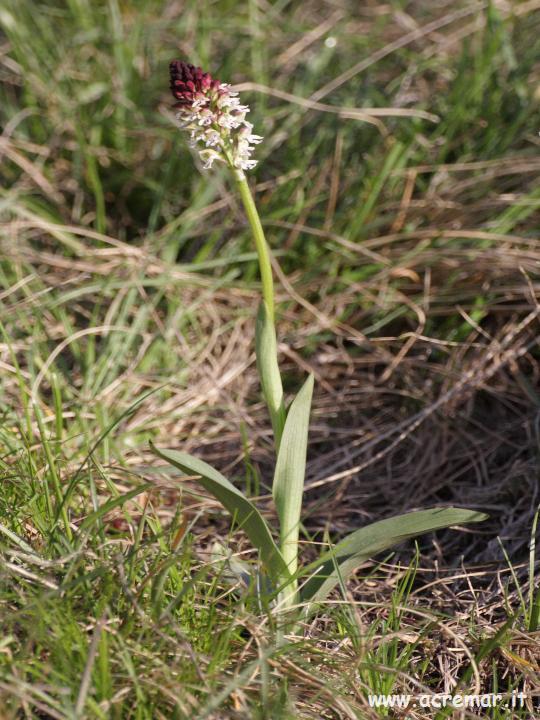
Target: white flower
(211,112)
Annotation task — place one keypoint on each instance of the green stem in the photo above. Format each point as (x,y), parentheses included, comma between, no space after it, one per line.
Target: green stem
(266,347)
(263,252)
(265,336)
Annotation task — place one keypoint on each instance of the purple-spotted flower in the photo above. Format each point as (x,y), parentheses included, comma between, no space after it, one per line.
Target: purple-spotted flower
(211,112)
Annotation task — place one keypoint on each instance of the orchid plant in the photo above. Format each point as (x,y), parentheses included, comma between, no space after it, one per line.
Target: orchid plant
(215,119)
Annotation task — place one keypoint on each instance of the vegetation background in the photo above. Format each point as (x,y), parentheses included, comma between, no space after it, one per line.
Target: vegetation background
(398,184)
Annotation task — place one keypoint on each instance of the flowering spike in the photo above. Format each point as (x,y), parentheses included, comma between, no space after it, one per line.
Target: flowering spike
(211,112)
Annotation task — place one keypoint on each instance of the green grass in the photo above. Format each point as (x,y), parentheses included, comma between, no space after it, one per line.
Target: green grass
(127,295)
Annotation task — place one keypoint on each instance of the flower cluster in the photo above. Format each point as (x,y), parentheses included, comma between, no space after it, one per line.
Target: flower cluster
(211,112)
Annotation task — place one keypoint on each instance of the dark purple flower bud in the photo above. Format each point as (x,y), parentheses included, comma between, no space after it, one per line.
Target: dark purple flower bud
(189,83)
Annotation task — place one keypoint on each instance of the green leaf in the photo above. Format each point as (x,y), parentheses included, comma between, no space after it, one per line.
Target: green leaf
(235,502)
(267,365)
(288,487)
(236,570)
(362,544)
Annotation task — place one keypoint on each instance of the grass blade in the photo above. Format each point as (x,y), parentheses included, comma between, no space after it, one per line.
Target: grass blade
(112,504)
